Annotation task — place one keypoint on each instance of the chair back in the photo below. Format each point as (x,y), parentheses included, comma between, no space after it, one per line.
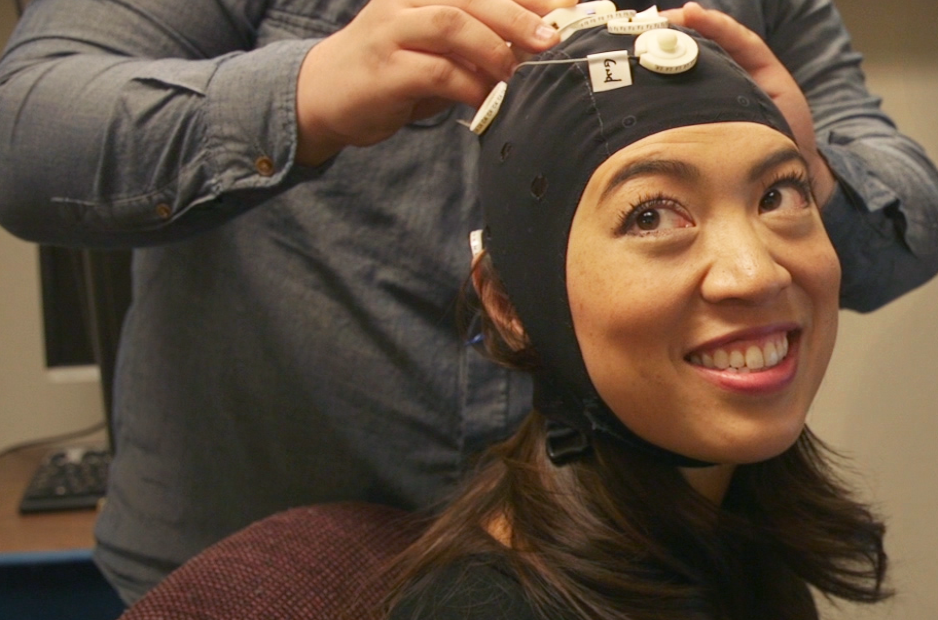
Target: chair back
(324,562)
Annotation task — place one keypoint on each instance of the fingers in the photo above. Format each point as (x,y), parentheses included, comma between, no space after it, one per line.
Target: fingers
(399,60)
(476,33)
(756,58)
(543,7)
(675,16)
(417,76)
(745,46)
(450,32)
(511,21)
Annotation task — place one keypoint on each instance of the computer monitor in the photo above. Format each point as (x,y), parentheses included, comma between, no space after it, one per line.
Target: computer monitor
(85,294)
(65,320)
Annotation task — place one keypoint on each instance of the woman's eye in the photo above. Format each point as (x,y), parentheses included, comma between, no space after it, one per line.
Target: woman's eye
(649,219)
(793,194)
(645,220)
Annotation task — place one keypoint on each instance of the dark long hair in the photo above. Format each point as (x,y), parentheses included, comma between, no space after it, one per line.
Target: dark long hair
(616,534)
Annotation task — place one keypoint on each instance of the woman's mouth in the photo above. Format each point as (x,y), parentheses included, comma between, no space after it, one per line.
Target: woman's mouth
(745,356)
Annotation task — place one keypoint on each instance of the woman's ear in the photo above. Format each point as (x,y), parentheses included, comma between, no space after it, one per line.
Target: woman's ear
(496,304)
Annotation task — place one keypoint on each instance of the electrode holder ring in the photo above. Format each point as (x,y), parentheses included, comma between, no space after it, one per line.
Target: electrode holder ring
(666,51)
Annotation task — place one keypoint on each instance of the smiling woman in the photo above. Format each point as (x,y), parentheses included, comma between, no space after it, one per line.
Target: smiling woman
(654,256)
(705,256)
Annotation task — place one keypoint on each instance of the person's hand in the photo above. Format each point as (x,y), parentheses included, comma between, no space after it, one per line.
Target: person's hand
(402,60)
(754,55)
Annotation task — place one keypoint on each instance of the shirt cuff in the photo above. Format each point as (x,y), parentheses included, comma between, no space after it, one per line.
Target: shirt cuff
(868,229)
(251,129)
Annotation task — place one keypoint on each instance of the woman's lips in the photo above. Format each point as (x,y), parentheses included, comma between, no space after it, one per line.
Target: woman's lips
(756,365)
(751,355)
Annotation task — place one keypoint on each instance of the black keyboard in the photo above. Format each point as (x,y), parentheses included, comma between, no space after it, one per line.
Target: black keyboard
(68,479)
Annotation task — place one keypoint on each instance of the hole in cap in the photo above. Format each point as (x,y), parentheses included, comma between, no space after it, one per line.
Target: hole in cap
(743,101)
(539,186)
(629,121)
(506,151)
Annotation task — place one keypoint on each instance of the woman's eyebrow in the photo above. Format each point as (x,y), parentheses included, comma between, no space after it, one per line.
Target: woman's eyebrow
(651,167)
(688,172)
(774,160)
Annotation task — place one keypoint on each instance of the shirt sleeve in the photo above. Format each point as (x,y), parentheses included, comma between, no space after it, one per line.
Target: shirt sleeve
(883,217)
(134,123)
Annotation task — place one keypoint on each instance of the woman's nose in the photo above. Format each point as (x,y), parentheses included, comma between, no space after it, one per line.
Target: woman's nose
(742,267)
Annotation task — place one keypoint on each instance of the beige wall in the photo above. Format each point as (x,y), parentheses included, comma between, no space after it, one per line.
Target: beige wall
(31,405)
(880,399)
(878,404)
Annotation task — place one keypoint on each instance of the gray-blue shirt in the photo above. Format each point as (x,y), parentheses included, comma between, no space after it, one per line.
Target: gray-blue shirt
(292,335)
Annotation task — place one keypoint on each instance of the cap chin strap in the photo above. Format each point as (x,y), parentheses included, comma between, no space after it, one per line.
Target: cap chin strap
(565,444)
(572,421)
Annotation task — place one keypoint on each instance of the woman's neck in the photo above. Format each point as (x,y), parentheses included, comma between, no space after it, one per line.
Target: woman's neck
(500,529)
(711,482)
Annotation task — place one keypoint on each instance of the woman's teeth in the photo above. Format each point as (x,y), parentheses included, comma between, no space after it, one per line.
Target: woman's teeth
(750,358)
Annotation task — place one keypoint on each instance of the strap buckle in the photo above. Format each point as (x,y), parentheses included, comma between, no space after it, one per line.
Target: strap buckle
(565,444)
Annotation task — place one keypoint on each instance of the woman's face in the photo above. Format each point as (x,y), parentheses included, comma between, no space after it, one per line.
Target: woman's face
(704,290)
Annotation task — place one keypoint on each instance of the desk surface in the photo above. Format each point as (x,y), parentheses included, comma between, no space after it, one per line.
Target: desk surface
(40,532)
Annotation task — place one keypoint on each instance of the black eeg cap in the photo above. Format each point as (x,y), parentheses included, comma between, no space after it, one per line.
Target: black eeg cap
(537,155)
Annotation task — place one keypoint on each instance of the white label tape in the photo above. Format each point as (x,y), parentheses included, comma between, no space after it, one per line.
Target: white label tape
(593,21)
(560,17)
(489,109)
(609,70)
(475,242)
(622,26)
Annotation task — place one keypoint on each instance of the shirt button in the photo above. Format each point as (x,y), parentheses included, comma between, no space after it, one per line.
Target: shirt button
(264,166)
(164,210)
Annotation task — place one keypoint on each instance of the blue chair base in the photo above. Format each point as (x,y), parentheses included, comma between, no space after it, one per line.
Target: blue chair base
(60,586)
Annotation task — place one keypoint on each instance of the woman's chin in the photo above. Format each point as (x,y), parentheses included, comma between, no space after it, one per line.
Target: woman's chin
(746,450)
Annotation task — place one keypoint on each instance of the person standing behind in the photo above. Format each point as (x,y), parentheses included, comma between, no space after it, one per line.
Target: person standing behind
(297,192)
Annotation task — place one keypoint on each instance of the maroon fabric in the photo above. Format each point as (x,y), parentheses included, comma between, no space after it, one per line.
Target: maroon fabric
(319,563)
